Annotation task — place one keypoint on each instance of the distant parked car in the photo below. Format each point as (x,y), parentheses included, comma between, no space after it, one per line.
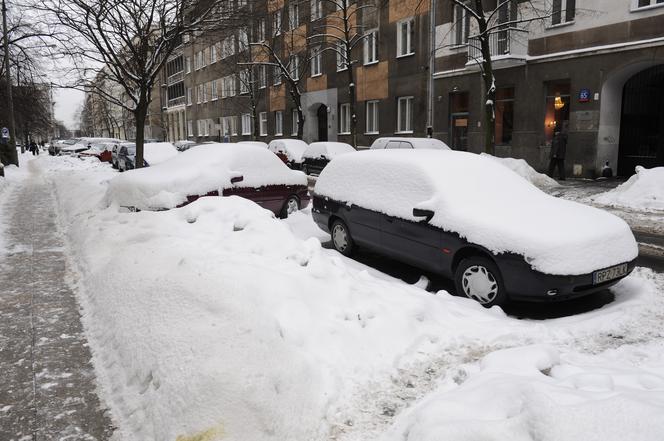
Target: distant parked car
(183,144)
(408,143)
(82,144)
(100,151)
(319,154)
(289,151)
(473,220)
(153,153)
(115,151)
(214,170)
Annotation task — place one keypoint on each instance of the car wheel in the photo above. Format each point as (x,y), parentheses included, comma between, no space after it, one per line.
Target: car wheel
(291,205)
(478,278)
(305,169)
(341,238)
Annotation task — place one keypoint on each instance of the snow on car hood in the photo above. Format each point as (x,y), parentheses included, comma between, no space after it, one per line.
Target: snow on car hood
(292,148)
(328,150)
(156,152)
(484,202)
(198,171)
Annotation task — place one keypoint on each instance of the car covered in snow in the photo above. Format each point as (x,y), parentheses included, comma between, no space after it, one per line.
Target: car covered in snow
(184,144)
(82,144)
(153,153)
(101,151)
(289,151)
(472,220)
(225,169)
(408,143)
(256,143)
(319,154)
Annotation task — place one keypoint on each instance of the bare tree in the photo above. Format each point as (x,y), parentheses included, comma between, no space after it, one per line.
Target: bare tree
(490,22)
(131,40)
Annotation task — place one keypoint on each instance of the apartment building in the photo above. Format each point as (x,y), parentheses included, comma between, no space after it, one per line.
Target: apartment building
(593,67)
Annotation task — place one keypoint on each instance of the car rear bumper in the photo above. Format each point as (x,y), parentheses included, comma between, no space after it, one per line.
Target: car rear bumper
(524,283)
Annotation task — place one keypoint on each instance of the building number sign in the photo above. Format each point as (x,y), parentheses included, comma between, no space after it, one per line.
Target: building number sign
(584,95)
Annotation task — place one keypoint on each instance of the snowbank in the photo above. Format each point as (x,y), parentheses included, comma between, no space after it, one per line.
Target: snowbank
(291,148)
(537,392)
(327,150)
(484,202)
(158,152)
(521,168)
(643,191)
(199,171)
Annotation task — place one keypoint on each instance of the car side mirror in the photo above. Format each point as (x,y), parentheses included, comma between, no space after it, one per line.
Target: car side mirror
(236,179)
(426,214)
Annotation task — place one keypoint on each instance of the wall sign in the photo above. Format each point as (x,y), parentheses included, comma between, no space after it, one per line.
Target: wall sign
(584,95)
(5,132)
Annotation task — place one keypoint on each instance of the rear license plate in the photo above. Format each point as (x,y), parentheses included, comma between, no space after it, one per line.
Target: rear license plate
(609,274)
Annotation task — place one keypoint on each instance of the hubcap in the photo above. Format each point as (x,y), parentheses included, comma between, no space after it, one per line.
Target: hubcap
(479,284)
(292,206)
(340,238)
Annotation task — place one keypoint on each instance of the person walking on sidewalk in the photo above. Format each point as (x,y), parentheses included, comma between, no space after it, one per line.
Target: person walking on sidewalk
(558,150)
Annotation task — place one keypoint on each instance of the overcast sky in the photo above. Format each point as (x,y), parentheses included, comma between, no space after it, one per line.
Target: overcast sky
(67,101)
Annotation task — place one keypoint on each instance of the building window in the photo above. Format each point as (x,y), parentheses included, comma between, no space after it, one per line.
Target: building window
(276,23)
(344,119)
(245,80)
(187,65)
(189,96)
(262,76)
(295,124)
(190,128)
(563,11)
(213,54)
(646,3)
(461,25)
(341,56)
(294,67)
(233,120)
(342,4)
(316,9)
(246,124)
(459,120)
(405,30)
(405,114)
(199,94)
(276,80)
(293,14)
(262,116)
(204,89)
(278,123)
(228,47)
(316,62)
(504,123)
(213,91)
(260,30)
(243,40)
(372,117)
(371,47)
(557,108)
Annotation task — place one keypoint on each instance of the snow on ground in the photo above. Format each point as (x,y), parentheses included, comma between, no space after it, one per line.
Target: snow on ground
(217,320)
(521,167)
(643,191)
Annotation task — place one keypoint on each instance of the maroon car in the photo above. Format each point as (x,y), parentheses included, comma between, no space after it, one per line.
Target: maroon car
(208,170)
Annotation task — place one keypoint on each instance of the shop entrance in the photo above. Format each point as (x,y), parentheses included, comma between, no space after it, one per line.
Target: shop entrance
(642,121)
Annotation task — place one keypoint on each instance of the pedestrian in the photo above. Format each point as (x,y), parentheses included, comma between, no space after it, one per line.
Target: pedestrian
(33,148)
(558,150)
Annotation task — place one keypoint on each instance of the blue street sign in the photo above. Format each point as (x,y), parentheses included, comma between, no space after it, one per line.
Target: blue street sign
(5,132)
(584,95)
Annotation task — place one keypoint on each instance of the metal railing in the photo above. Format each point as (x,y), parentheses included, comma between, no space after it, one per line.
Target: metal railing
(179,101)
(499,44)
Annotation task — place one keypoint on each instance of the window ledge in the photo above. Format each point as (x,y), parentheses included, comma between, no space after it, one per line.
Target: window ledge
(343,133)
(410,54)
(372,133)
(406,132)
(317,75)
(561,25)
(371,63)
(278,134)
(456,47)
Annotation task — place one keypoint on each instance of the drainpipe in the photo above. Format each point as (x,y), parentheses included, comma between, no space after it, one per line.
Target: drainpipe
(432,58)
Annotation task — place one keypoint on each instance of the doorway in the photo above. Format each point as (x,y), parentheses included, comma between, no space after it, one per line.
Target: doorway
(642,121)
(322,122)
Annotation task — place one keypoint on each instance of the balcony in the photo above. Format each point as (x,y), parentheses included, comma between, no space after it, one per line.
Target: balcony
(179,101)
(509,47)
(176,78)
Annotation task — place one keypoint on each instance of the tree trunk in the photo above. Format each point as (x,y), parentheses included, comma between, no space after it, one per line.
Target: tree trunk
(352,104)
(488,80)
(140,115)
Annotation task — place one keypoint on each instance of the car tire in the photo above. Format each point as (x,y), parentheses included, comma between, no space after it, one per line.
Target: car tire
(305,170)
(479,279)
(291,205)
(341,238)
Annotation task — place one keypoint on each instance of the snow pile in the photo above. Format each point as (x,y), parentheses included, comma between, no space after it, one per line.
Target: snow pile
(536,392)
(199,171)
(484,202)
(521,167)
(410,143)
(291,148)
(256,143)
(327,150)
(157,152)
(643,191)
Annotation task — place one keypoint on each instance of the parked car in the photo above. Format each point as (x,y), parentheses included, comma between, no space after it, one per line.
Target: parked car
(153,153)
(82,144)
(213,170)
(289,151)
(319,154)
(409,143)
(59,145)
(100,151)
(183,144)
(474,221)
(115,151)
(256,143)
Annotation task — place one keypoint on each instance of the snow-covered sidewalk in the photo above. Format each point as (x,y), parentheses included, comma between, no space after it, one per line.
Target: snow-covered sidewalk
(48,388)
(217,321)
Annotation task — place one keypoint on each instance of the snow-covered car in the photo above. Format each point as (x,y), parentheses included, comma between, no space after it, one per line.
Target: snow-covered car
(83,144)
(153,153)
(319,154)
(115,151)
(472,220)
(408,143)
(213,170)
(100,151)
(289,151)
(183,144)
(256,143)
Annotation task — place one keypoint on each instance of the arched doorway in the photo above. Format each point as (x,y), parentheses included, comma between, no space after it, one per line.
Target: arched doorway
(322,122)
(642,121)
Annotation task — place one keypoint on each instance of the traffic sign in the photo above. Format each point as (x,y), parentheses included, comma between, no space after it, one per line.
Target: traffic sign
(5,132)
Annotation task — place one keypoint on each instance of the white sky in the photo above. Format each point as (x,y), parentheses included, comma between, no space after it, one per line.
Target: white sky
(67,102)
